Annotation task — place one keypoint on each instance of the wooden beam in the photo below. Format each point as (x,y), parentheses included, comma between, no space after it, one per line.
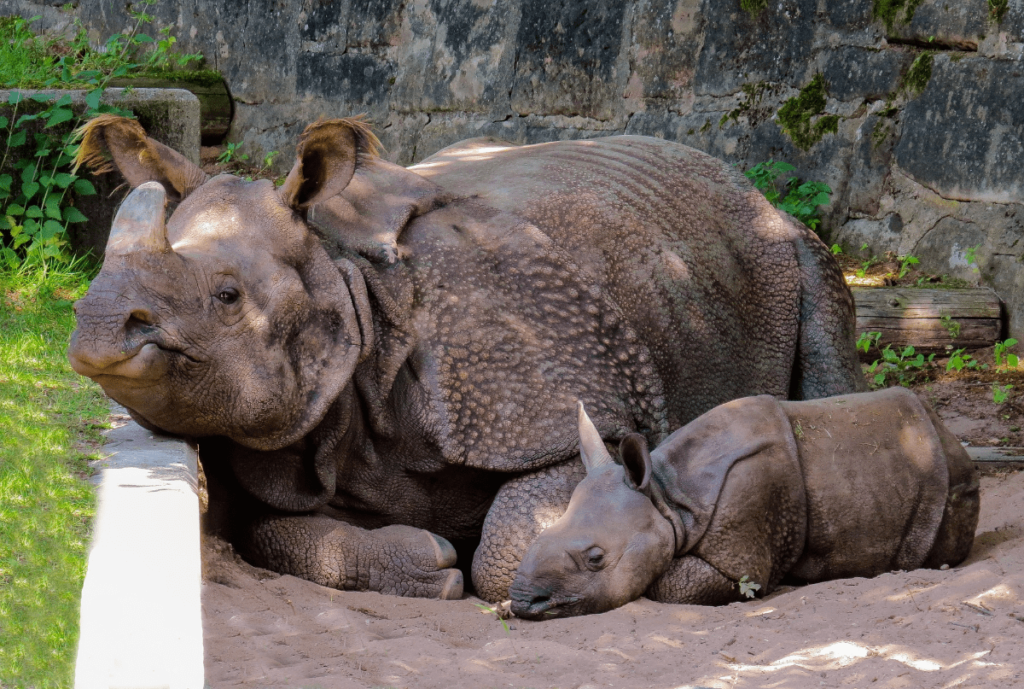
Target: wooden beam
(912,316)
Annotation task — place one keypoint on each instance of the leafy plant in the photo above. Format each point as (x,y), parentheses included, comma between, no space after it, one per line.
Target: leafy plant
(231,153)
(748,588)
(802,199)
(952,327)
(1002,352)
(997,8)
(902,367)
(867,265)
(1000,392)
(971,256)
(754,7)
(905,263)
(38,185)
(868,340)
(958,361)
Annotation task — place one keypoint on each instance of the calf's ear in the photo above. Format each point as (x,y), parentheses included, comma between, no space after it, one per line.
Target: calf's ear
(636,460)
(110,142)
(325,160)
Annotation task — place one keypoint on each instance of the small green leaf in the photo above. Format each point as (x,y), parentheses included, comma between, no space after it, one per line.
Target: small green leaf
(15,97)
(51,228)
(42,97)
(34,212)
(92,99)
(15,210)
(72,214)
(17,138)
(63,179)
(30,189)
(5,182)
(84,187)
(53,208)
(59,116)
(4,122)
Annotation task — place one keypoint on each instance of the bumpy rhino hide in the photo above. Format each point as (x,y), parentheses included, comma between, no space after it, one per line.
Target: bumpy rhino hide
(854,485)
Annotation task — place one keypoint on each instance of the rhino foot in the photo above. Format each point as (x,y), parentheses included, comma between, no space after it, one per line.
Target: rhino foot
(397,560)
(412,562)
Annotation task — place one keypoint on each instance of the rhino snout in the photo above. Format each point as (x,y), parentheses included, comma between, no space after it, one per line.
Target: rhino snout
(538,602)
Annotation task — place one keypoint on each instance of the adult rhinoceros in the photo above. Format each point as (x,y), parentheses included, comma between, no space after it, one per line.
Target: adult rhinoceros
(371,346)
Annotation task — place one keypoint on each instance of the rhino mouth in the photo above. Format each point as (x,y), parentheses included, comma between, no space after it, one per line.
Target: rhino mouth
(541,606)
(140,361)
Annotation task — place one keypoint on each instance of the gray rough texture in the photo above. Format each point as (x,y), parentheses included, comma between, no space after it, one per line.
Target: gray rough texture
(756,490)
(384,345)
(432,72)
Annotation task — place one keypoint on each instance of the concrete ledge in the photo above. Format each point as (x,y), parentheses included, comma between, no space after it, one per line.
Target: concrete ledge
(141,620)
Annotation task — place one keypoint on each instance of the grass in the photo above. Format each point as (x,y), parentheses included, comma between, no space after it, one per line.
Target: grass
(49,424)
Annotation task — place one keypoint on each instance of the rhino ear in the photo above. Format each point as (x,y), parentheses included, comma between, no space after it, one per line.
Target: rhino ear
(110,142)
(325,160)
(592,449)
(636,460)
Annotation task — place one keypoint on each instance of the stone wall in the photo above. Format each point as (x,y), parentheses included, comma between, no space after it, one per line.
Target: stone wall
(920,134)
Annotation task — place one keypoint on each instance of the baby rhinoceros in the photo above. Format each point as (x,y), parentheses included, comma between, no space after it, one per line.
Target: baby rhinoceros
(753,491)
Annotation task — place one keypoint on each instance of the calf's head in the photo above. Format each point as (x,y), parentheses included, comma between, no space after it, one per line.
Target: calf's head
(610,544)
(228,318)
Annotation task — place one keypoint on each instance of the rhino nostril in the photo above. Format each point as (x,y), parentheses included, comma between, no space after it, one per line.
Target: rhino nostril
(141,317)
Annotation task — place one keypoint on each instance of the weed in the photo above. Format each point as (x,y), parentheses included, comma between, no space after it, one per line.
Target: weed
(958,361)
(754,7)
(798,430)
(971,256)
(905,263)
(867,265)
(796,116)
(1002,351)
(996,9)
(902,367)
(38,185)
(836,249)
(952,327)
(747,587)
(868,340)
(502,611)
(802,199)
(231,153)
(1000,392)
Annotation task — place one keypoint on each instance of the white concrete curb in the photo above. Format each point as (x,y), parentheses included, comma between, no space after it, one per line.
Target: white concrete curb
(141,620)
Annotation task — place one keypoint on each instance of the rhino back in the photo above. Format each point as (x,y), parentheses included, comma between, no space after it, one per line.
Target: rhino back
(701,268)
(877,481)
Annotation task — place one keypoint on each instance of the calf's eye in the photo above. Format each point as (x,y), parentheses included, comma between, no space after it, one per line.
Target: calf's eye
(595,558)
(228,295)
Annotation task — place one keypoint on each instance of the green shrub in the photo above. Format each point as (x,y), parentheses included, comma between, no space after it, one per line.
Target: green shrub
(802,199)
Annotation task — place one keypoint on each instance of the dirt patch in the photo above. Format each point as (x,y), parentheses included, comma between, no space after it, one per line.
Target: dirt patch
(926,628)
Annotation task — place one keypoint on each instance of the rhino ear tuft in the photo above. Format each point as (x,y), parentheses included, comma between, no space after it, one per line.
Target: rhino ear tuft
(636,460)
(325,160)
(110,142)
(592,449)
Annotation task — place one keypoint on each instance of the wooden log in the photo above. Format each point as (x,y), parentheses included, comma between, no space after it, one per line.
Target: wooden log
(912,316)
(215,105)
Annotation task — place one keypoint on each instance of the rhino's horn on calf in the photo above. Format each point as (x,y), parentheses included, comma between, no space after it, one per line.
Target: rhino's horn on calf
(140,222)
(592,449)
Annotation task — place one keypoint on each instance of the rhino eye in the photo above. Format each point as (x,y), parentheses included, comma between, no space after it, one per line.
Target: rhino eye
(228,295)
(595,558)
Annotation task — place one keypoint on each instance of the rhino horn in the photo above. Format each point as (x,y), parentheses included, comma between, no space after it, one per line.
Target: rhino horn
(592,448)
(139,224)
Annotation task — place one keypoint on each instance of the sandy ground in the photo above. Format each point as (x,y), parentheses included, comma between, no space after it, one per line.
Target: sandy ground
(926,628)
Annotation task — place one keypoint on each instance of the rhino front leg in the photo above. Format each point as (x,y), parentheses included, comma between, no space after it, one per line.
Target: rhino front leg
(691,580)
(523,508)
(398,560)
